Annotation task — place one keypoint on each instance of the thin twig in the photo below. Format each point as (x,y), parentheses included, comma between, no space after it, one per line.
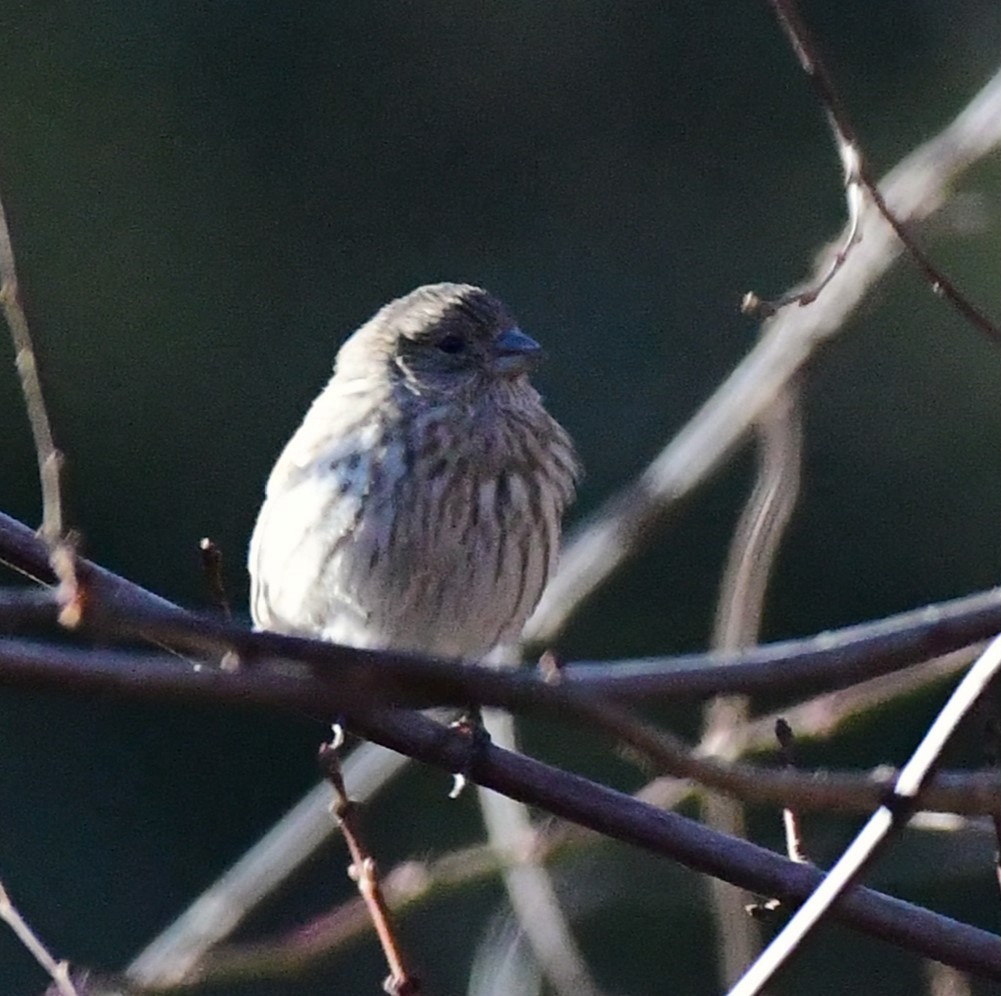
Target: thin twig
(762,525)
(80,671)
(857,174)
(790,820)
(409,884)
(749,565)
(270,862)
(822,716)
(790,824)
(157,678)
(58,970)
(401,980)
(212,569)
(891,815)
(216,913)
(818,718)
(914,190)
(618,815)
(613,814)
(60,545)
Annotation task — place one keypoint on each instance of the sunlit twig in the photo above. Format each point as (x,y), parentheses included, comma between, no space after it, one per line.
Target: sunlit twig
(894,813)
(62,555)
(58,970)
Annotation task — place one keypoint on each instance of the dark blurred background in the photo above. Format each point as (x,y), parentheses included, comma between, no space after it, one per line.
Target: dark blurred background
(206,198)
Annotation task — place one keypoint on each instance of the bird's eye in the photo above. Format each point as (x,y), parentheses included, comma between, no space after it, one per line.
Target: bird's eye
(451,344)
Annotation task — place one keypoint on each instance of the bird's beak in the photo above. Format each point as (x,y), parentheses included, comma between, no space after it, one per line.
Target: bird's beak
(515,353)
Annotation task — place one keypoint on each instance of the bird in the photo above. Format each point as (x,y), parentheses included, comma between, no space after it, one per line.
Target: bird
(418,507)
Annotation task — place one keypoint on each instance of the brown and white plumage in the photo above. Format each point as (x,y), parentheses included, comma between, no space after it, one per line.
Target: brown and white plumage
(418,506)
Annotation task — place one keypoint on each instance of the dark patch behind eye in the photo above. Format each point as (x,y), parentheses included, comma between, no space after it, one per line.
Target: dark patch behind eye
(451,344)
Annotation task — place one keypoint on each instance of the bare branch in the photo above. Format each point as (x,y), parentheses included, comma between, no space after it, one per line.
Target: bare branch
(21,550)
(762,524)
(372,680)
(401,981)
(752,555)
(50,460)
(409,883)
(893,814)
(214,915)
(858,177)
(58,970)
(212,568)
(821,716)
(163,678)
(182,952)
(830,660)
(915,189)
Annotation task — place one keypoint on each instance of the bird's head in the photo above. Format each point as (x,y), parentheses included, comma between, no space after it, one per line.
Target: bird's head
(441,341)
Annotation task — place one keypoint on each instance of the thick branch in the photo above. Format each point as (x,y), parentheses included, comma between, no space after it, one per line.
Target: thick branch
(828,661)
(162,678)
(624,818)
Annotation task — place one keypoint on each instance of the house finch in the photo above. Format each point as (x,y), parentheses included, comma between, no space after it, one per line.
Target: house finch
(418,505)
